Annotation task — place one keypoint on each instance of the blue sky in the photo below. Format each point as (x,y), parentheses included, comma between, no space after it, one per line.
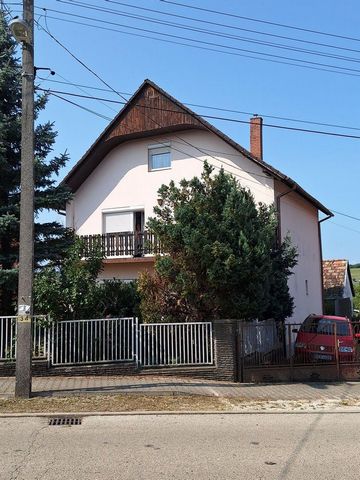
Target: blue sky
(327,167)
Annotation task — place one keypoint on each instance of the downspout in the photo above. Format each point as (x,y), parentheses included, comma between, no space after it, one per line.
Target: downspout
(321,260)
(278,210)
(278,240)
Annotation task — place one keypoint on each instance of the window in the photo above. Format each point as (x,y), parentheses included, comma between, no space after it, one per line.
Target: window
(159,158)
(325,326)
(123,221)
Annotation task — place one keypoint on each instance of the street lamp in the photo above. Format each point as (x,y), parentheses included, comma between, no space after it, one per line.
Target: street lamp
(19,29)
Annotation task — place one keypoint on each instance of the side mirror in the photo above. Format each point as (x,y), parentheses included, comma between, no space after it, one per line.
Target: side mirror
(357,336)
(295,330)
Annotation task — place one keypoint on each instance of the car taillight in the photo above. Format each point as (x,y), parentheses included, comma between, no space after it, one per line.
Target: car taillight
(346,349)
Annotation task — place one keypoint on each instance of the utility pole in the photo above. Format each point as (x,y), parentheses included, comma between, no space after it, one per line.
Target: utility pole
(26,255)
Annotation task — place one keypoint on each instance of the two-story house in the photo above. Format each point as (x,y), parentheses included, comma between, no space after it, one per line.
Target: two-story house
(155,139)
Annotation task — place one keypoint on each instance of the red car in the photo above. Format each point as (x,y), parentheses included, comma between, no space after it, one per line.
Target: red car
(316,339)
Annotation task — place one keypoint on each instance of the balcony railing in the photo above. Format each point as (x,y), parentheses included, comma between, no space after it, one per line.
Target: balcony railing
(123,244)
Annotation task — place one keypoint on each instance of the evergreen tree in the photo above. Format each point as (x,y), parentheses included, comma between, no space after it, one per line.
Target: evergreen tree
(51,237)
(223,260)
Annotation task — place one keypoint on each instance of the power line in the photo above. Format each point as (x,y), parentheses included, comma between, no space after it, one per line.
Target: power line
(104,117)
(346,215)
(293,27)
(101,101)
(212,117)
(233,27)
(212,107)
(303,63)
(206,31)
(343,226)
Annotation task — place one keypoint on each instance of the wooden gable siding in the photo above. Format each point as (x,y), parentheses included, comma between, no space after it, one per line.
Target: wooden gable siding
(151,111)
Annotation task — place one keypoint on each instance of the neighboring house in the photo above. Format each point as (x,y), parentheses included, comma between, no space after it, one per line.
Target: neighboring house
(155,139)
(338,288)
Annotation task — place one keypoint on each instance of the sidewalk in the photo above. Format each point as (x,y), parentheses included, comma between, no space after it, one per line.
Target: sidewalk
(152,385)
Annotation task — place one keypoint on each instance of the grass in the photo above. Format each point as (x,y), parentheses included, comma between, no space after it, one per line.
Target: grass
(164,403)
(355,273)
(112,403)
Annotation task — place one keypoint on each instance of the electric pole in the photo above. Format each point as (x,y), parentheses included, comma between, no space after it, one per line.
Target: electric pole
(26,254)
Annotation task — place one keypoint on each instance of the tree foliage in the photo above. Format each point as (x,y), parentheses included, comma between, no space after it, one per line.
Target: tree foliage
(50,238)
(222,258)
(71,290)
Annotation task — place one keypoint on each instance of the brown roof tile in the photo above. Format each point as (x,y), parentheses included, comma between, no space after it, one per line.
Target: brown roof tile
(334,275)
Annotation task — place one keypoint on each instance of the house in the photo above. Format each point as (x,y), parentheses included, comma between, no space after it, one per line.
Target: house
(338,288)
(155,139)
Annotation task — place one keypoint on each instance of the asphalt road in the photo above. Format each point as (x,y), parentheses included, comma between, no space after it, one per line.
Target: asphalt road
(265,446)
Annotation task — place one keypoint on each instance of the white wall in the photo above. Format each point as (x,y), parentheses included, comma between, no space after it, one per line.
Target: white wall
(124,271)
(122,179)
(299,219)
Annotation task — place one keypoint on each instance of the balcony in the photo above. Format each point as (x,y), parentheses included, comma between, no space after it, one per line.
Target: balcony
(123,244)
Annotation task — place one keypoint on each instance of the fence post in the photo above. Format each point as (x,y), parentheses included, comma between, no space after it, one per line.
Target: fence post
(291,356)
(337,352)
(136,340)
(48,329)
(226,358)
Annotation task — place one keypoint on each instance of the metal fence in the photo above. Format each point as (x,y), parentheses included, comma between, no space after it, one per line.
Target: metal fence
(165,344)
(40,337)
(94,341)
(274,344)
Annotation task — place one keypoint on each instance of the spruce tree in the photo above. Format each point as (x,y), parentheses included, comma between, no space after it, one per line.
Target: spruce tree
(50,238)
(222,261)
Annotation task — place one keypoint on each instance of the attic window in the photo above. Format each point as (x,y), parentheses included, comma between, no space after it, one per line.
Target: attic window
(159,158)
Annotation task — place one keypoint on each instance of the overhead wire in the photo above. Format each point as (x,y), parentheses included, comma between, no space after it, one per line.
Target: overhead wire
(277,24)
(209,107)
(232,27)
(214,33)
(275,58)
(207,43)
(213,117)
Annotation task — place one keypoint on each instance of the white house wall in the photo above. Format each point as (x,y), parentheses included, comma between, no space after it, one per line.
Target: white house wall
(299,219)
(122,180)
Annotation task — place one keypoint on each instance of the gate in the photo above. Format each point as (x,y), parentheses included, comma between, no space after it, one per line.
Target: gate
(270,351)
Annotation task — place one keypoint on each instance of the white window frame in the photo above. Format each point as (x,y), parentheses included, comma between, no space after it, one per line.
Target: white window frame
(115,210)
(158,148)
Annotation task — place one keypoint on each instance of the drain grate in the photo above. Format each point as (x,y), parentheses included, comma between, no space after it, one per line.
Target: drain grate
(55,421)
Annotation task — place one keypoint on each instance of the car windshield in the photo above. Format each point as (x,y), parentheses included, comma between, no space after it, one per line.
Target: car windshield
(325,326)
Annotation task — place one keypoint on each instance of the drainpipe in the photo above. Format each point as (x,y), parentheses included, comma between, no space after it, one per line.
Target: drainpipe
(321,259)
(278,240)
(278,205)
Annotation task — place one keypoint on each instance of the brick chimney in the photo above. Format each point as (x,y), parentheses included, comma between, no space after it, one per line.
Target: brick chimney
(256,144)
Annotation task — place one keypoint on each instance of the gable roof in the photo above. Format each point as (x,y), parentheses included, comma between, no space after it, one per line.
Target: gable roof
(152,111)
(335,273)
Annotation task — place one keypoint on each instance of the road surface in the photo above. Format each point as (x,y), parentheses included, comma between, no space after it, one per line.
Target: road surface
(260,446)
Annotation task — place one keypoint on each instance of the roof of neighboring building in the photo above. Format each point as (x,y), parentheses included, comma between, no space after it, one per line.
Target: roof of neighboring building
(335,273)
(113,135)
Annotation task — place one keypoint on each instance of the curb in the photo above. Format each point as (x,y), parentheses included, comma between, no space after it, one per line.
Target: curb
(173,413)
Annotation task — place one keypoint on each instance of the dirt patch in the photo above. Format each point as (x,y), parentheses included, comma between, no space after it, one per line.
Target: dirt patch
(112,403)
